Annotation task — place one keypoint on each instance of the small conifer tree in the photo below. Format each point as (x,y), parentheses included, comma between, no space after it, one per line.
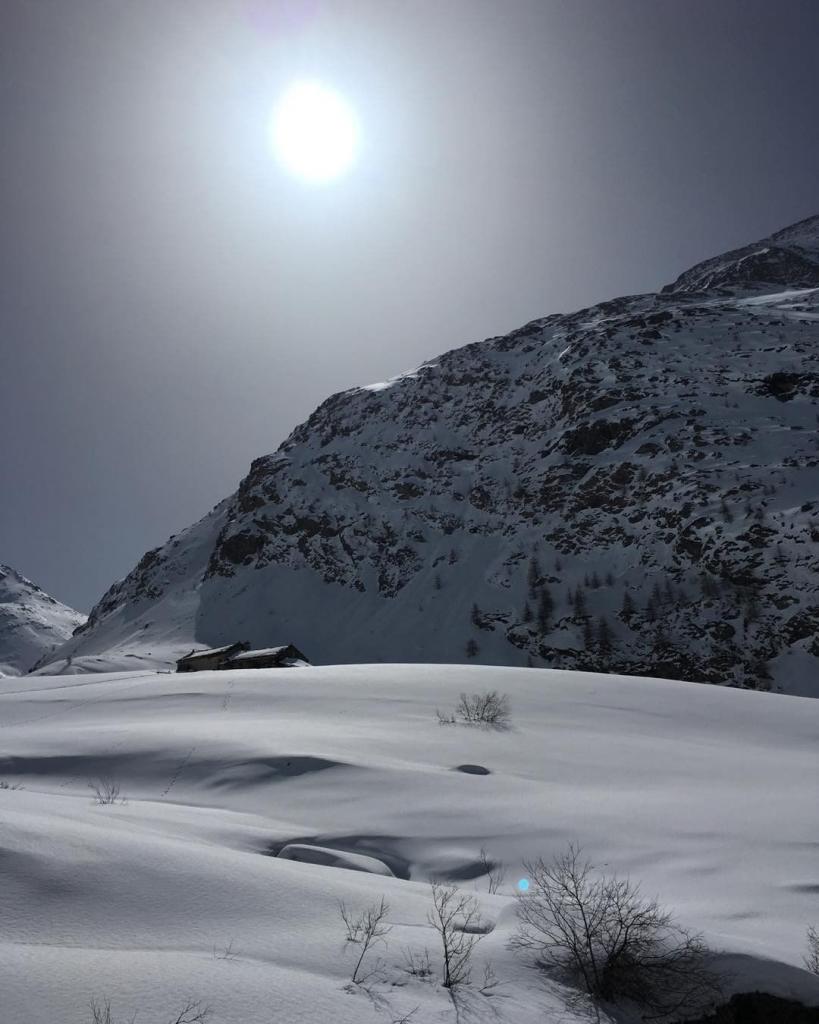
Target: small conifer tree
(533,576)
(604,636)
(545,607)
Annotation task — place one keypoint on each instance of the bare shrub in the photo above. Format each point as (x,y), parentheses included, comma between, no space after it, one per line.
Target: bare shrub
(490,981)
(10,785)
(101,1012)
(494,871)
(226,952)
(193,1012)
(490,708)
(444,719)
(811,961)
(366,929)
(457,920)
(600,931)
(417,965)
(406,1018)
(106,791)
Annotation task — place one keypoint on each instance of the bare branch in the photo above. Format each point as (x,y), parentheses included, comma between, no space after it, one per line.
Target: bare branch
(226,953)
(417,965)
(367,928)
(489,708)
(811,961)
(456,918)
(106,791)
(193,1012)
(602,932)
(406,1019)
(490,980)
(494,871)
(101,1012)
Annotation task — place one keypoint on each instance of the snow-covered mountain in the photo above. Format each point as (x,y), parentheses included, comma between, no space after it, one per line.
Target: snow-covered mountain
(630,488)
(32,624)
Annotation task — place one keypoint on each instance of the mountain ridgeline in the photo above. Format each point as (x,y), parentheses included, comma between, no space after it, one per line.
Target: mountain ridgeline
(632,488)
(32,624)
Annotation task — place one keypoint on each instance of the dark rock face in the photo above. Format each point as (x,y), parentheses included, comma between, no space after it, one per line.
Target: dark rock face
(628,488)
(788,259)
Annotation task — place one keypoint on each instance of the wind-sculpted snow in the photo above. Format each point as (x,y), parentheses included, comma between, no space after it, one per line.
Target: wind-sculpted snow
(630,488)
(249,804)
(32,624)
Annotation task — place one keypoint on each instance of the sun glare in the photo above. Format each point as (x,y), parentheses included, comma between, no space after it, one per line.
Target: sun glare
(314,132)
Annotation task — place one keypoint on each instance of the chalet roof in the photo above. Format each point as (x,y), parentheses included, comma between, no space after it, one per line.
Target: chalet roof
(209,652)
(264,652)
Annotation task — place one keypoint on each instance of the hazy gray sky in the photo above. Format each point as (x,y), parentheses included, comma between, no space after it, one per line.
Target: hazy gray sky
(172,304)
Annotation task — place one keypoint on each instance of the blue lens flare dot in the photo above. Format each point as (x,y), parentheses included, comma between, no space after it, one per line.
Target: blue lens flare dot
(523,884)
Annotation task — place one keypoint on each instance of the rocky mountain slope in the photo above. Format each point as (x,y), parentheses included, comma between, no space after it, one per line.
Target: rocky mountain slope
(32,624)
(630,488)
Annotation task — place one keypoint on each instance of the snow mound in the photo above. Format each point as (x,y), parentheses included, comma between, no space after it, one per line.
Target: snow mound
(306,854)
(706,795)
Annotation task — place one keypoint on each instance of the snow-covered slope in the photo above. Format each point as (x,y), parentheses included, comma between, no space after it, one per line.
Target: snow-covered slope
(32,624)
(630,488)
(706,795)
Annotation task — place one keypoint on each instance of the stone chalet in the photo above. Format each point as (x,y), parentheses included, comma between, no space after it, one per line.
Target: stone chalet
(239,655)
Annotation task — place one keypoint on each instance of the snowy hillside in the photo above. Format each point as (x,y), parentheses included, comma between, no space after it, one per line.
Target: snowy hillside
(32,624)
(630,488)
(707,795)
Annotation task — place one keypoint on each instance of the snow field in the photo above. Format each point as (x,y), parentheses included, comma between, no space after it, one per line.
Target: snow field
(707,795)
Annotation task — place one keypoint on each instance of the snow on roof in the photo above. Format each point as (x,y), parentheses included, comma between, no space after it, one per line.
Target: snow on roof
(208,652)
(264,652)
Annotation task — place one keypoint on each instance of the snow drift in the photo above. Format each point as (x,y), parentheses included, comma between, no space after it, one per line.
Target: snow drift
(706,795)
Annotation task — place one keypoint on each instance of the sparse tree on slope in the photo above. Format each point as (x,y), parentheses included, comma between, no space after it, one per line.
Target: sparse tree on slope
(545,607)
(627,609)
(588,635)
(599,931)
(533,576)
(456,918)
(604,637)
(811,961)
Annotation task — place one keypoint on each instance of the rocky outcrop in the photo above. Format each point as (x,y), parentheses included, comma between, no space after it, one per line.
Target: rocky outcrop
(629,488)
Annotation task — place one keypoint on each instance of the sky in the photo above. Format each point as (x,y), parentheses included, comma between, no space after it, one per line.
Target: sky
(173,302)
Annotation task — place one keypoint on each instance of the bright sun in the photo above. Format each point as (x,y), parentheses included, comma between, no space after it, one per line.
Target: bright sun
(314,132)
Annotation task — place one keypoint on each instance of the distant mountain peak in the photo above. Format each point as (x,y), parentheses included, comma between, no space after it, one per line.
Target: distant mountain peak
(804,233)
(32,624)
(788,258)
